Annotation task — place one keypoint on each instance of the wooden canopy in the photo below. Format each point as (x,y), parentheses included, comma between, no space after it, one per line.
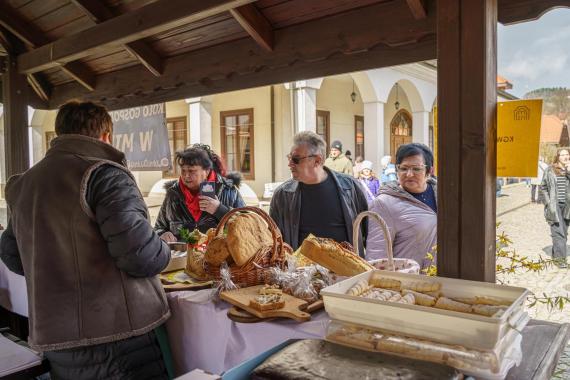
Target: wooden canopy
(124,53)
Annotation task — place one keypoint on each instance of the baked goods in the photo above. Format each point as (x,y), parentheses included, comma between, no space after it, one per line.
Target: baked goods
(316,359)
(247,234)
(270,298)
(378,281)
(420,298)
(358,288)
(217,251)
(333,256)
(449,304)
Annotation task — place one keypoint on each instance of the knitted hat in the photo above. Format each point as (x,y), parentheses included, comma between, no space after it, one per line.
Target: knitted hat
(336,144)
(366,165)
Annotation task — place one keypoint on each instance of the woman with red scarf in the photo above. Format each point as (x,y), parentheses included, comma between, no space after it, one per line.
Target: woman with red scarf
(184,206)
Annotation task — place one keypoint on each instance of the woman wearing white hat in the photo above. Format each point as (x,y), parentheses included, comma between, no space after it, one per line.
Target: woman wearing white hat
(369,181)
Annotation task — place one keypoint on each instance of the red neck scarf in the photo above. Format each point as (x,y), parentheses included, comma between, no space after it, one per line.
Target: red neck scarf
(192,200)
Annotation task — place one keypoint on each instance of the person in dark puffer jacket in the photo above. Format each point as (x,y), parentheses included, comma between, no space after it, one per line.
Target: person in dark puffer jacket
(79,233)
(184,207)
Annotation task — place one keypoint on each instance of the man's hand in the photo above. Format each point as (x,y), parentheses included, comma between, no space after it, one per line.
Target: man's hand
(210,205)
(168,237)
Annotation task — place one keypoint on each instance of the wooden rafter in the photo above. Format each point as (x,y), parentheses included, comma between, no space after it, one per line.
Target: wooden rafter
(32,37)
(98,12)
(151,19)
(365,44)
(418,8)
(40,87)
(254,23)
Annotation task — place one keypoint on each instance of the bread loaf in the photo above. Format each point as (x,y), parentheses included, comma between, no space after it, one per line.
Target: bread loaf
(333,256)
(247,234)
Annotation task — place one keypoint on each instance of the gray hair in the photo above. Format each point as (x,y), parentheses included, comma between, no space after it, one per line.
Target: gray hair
(315,143)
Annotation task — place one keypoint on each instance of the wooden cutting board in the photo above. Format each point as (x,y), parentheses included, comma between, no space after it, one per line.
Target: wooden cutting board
(242,297)
(238,315)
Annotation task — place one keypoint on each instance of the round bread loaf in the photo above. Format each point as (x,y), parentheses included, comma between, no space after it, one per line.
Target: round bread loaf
(247,234)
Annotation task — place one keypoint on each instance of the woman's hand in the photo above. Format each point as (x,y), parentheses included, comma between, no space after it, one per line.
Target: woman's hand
(168,237)
(210,205)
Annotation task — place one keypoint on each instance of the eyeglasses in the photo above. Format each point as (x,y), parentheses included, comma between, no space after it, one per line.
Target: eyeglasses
(415,169)
(296,160)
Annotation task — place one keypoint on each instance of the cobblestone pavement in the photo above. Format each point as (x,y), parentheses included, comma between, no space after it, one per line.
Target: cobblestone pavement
(523,222)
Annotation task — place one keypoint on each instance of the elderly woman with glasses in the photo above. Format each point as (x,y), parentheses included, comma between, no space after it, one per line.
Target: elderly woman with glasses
(409,208)
(185,206)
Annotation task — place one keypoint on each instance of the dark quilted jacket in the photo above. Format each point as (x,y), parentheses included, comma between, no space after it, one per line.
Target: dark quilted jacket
(174,214)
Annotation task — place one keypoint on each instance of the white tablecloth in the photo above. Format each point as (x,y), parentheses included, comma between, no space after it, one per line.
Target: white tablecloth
(13,294)
(202,336)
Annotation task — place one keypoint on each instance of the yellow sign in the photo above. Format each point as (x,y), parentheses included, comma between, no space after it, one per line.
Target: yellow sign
(518,137)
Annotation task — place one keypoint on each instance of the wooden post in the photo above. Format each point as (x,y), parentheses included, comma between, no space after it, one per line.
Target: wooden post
(467,71)
(15,97)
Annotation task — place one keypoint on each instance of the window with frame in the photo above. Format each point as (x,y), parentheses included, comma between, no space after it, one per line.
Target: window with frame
(178,140)
(236,128)
(323,126)
(359,136)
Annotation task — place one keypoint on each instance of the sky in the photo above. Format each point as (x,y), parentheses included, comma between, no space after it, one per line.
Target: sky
(536,54)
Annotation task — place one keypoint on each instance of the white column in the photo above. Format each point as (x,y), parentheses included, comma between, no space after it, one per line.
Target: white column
(374,132)
(200,121)
(420,127)
(306,109)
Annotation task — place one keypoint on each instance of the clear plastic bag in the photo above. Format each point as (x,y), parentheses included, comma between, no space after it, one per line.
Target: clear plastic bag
(490,364)
(226,282)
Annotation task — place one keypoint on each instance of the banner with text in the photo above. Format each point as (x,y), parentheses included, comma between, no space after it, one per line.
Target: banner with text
(141,134)
(518,137)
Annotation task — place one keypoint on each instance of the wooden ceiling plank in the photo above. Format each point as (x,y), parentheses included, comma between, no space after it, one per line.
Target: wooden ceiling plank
(255,24)
(418,8)
(98,12)
(95,9)
(151,19)
(350,41)
(80,73)
(20,28)
(32,37)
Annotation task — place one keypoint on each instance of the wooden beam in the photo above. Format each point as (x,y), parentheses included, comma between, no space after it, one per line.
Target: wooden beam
(467,71)
(418,8)
(154,18)
(15,100)
(32,37)
(515,11)
(255,24)
(350,41)
(98,12)
(39,85)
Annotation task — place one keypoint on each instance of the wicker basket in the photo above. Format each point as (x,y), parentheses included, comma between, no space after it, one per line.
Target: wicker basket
(254,272)
(390,263)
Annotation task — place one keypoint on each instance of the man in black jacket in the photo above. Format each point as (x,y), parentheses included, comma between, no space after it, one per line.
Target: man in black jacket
(316,200)
(79,233)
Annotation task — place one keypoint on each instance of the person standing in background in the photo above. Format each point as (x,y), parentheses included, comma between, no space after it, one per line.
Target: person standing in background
(369,181)
(388,174)
(556,195)
(357,165)
(535,196)
(338,161)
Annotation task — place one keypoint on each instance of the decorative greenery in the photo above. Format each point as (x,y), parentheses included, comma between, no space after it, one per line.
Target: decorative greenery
(515,262)
(189,237)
